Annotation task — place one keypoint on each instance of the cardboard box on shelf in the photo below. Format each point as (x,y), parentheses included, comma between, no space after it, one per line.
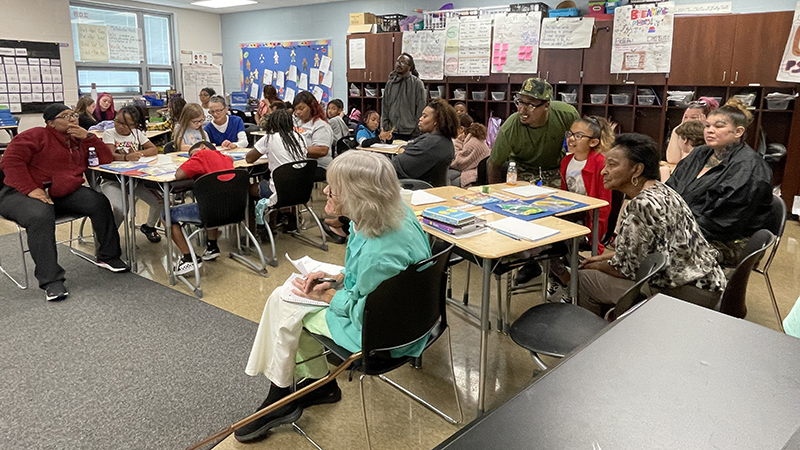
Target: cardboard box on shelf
(362,18)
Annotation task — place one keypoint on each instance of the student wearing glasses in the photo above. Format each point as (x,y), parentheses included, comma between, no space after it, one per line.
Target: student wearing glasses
(56,155)
(533,137)
(403,100)
(224,131)
(189,129)
(128,142)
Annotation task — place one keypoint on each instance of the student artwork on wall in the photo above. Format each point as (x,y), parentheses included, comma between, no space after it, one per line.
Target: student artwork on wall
(516,43)
(30,75)
(427,49)
(642,38)
(291,67)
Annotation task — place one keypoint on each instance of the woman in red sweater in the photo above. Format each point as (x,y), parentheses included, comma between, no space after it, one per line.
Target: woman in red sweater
(42,174)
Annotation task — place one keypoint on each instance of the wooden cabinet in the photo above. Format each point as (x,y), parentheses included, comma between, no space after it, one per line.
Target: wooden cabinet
(702,48)
(379,56)
(758,47)
(561,66)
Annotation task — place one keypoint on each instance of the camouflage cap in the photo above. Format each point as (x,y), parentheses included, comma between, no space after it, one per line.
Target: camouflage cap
(537,88)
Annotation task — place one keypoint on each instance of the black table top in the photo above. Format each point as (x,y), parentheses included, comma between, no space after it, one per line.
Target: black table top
(671,375)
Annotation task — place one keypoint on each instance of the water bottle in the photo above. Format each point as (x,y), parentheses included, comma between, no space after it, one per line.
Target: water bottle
(93,93)
(93,160)
(511,176)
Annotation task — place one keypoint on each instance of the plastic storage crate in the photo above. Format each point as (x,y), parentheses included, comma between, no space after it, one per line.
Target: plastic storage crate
(498,96)
(646,99)
(597,99)
(479,95)
(529,7)
(459,94)
(390,22)
(778,103)
(620,99)
(569,97)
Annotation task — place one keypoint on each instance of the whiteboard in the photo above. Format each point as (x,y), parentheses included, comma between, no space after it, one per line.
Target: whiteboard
(196,77)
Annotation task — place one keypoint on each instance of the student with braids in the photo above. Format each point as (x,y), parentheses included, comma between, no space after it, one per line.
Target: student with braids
(727,184)
(281,145)
(403,100)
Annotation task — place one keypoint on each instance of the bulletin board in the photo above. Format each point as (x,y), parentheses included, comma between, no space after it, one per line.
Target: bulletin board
(289,66)
(30,76)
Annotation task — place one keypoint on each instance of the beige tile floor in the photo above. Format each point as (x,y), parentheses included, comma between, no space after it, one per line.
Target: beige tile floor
(395,421)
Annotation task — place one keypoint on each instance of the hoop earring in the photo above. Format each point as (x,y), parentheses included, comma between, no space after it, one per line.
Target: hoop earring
(635,181)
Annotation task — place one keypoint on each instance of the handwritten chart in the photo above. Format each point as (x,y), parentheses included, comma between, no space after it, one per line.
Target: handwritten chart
(92,42)
(516,43)
(468,50)
(789,70)
(567,32)
(642,38)
(123,44)
(427,48)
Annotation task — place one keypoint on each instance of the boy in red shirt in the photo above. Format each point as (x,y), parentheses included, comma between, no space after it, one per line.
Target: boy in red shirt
(203,158)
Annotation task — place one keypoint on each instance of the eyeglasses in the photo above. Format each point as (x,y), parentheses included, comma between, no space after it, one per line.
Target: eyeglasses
(697,103)
(527,105)
(68,116)
(577,135)
(196,121)
(214,112)
(402,63)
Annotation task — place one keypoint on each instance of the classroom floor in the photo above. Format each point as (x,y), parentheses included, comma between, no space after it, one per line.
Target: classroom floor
(397,422)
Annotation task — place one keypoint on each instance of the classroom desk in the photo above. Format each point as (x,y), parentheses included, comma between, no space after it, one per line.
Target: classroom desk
(150,134)
(258,133)
(394,150)
(128,182)
(668,375)
(10,129)
(488,248)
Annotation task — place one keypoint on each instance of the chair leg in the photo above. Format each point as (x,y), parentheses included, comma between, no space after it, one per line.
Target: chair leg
(419,400)
(453,376)
(506,325)
(545,278)
(303,433)
(79,253)
(364,409)
(198,291)
(499,278)
(538,361)
(465,298)
(24,264)
(323,245)
(259,269)
(774,301)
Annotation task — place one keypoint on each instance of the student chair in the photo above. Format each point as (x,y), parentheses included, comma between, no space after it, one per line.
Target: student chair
(776,223)
(733,299)
(414,185)
(483,177)
(222,198)
(344,144)
(401,311)
(294,183)
(556,329)
(169,147)
(249,128)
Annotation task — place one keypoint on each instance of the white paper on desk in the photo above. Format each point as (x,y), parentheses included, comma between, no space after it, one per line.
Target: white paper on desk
(313,77)
(147,159)
(530,191)
(292,73)
(317,93)
(522,229)
(424,198)
(281,81)
(327,80)
(303,83)
(325,64)
(380,145)
(161,160)
(289,96)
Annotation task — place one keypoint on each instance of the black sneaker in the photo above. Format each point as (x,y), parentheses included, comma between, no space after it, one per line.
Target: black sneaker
(528,272)
(258,429)
(56,291)
(329,393)
(114,265)
(210,254)
(290,223)
(150,233)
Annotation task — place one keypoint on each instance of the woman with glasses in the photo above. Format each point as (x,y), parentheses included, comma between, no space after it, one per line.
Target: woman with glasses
(189,129)
(224,131)
(403,100)
(381,246)
(428,156)
(128,142)
(56,154)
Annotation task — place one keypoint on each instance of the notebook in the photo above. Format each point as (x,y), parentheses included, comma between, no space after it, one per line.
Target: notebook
(306,265)
(530,191)
(423,198)
(521,229)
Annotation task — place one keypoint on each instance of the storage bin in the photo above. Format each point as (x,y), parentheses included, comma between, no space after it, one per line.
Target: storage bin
(370,92)
(778,103)
(569,97)
(529,7)
(460,94)
(435,93)
(646,100)
(597,99)
(479,95)
(621,99)
(355,92)
(564,12)
(390,22)
(441,90)
(746,99)
(498,96)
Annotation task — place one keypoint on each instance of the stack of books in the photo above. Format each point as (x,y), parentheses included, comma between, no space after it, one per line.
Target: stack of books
(451,220)
(6,119)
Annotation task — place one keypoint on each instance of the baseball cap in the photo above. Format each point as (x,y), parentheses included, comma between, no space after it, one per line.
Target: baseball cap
(537,88)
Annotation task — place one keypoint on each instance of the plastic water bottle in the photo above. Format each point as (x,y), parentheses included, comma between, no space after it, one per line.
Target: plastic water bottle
(94,161)
(93,93)
(511,176)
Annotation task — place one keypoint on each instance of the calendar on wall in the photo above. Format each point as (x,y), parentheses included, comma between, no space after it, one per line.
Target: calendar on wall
(30,75)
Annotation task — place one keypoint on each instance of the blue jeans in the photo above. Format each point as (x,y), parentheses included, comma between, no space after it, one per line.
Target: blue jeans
(188,212)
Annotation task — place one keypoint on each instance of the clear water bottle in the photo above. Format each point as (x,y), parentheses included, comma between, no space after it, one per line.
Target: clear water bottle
(93,92)
(511,176)
(94,161)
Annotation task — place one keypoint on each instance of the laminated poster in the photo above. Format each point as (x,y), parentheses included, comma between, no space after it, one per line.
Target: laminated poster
(515,48)
(642,38)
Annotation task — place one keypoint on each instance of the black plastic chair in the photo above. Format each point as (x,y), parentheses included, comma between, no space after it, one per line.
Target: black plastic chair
(483,176)
(249,128)
(401,311)
(169,147)
(344,144)
(294,183)
(733,299)
(776,223)
(556,329)
(617,198)
(414,185)
(222,199)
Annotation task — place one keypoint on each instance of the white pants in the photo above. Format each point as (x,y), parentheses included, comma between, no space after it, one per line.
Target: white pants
(113,191)
(280,342)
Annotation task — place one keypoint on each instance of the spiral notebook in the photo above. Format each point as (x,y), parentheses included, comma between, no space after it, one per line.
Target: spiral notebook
(306,265)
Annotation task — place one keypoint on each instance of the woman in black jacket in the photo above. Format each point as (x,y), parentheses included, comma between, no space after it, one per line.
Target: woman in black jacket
(428,156)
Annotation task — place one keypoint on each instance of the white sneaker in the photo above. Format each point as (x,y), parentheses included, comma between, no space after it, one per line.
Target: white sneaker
(210,254)
(185,267)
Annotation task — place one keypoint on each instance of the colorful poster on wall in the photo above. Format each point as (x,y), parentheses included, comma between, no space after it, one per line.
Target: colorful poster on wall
(642,38)
(287,66)
(516,43)
(93,42)
(567,32)
(789,70)
(427,48)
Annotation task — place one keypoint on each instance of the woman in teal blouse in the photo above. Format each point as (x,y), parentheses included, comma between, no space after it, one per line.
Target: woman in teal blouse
(387,238)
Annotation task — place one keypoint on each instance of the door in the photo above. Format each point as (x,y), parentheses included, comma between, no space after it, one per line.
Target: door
(597,58)
(380,56)
(702,50)
(560,66)
(759,43)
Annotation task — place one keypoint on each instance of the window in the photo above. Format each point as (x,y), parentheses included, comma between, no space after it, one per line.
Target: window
(122,51)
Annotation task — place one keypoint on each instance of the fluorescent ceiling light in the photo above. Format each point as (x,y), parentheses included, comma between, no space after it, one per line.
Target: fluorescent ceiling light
(223,3)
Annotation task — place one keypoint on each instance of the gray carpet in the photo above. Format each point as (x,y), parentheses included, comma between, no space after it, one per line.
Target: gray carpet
(123,363)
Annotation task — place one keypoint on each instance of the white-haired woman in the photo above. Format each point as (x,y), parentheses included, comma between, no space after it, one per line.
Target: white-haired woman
(386,239)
